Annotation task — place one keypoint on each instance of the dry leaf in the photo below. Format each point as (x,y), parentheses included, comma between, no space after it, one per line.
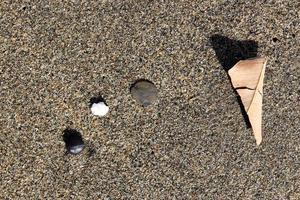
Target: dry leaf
(247,78)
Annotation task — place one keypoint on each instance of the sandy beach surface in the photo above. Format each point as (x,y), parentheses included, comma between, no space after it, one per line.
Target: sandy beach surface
(192,143)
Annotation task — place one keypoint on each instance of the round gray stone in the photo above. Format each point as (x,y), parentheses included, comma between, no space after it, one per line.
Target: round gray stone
(144,92)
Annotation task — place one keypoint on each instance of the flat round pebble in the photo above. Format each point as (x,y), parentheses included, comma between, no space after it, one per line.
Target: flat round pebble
(144,92)
(73,140)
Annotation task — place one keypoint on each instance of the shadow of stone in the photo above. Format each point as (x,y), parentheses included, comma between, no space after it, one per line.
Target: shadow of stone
(97,99)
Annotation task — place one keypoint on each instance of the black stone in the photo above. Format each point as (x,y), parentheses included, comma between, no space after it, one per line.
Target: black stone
(73,140)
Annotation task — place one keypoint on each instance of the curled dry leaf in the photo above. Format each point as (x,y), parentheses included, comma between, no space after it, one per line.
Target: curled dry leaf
(247,79)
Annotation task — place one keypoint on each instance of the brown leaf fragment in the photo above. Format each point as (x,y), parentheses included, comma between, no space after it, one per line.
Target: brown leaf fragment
(247,78)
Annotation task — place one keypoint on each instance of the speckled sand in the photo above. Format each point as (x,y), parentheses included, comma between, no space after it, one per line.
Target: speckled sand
(191,144)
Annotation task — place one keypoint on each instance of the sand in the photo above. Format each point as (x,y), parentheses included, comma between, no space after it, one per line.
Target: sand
(192,143)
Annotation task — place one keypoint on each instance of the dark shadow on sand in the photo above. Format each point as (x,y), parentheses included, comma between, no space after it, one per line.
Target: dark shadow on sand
(97,99)
(229,52)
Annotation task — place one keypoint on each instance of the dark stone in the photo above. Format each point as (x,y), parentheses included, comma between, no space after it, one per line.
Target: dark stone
(73,140)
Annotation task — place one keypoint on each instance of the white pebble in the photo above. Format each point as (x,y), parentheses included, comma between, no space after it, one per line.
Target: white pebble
(99,109)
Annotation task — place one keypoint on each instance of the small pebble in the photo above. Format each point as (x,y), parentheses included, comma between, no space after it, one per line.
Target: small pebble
(73,140)
(99,109)
(144,92)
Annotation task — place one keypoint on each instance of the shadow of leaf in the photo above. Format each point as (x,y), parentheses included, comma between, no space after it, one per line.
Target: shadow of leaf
(229,52)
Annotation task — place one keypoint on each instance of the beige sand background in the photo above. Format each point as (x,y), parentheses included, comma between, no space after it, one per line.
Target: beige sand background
(191,144)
